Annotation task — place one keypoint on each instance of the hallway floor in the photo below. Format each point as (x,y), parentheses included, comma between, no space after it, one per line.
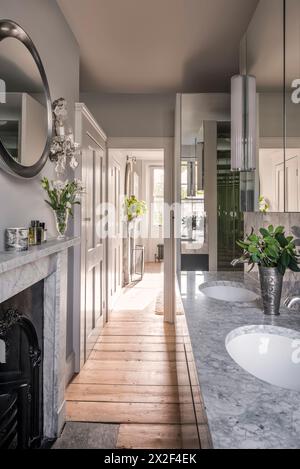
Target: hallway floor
(130,377)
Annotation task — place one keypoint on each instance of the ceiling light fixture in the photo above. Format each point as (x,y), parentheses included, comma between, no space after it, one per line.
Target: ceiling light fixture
(243,123)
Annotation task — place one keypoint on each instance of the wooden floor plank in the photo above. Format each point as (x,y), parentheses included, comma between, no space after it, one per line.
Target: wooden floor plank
(116,412)
(189,436)
(140,328)
(205,436)
(138,347)
(131,365)
(149,436)
(140,356)
(133,316)
(153,378)
(123,393)
(139,339)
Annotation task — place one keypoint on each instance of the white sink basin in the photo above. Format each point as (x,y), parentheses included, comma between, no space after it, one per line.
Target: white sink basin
(269,353)
(229,293)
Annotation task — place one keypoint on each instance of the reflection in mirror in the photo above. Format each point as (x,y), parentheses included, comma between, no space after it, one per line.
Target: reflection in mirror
(262,55)
(292,157)
(210,191)
(194,236)
(23,107)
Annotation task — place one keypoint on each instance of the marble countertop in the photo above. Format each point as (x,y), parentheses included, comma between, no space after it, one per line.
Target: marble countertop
(243,411)
(12,260)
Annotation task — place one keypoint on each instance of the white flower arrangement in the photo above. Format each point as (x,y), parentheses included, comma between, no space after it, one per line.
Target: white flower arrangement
(63,195)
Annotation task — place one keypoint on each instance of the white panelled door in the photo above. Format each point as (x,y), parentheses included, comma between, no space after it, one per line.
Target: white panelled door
(94,246)
(91,299)
(115,241)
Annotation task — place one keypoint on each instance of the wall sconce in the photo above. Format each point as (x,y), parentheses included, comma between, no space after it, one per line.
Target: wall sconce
(130,162)
(63,149)
(243,123)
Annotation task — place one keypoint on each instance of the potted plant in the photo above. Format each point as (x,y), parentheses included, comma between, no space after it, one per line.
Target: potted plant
(62,197)
(273,252)
(135,209)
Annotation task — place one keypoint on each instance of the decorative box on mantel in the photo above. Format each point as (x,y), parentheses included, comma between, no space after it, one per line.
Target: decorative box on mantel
(19,271)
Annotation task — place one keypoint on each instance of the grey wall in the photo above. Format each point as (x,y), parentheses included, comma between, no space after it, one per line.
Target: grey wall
(22,201)
(133,115)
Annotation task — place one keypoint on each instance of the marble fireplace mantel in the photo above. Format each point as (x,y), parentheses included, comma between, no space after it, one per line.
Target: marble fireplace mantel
(18,271)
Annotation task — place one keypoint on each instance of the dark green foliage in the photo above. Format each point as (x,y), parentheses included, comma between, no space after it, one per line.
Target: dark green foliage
(270,248)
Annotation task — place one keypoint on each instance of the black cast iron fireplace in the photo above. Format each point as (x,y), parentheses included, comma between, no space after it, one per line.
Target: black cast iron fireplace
(21,370)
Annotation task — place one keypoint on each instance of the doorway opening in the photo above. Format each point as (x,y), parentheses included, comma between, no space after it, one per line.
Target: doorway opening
(136,249)
(130,378)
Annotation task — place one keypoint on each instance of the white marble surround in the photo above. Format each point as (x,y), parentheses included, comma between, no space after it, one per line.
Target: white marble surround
(18,271)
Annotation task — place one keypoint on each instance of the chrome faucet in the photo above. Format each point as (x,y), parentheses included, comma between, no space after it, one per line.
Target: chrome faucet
(291,301)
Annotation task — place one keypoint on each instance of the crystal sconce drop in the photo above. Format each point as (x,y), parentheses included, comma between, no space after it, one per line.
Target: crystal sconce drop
(63,151)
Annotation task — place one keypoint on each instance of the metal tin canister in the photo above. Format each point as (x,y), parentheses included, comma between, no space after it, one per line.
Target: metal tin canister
(16,239)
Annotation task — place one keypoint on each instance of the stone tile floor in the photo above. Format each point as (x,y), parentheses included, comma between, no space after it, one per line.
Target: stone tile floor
(83,435)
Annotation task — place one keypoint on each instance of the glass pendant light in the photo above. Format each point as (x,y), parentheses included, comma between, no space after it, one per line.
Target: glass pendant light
(243,123)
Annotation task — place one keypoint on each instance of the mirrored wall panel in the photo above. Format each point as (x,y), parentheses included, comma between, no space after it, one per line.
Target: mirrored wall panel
(194,239)
(270,51)
(211,219)
(292,87)
(262,56)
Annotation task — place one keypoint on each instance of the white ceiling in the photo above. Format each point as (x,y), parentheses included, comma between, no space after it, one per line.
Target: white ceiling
(158,46)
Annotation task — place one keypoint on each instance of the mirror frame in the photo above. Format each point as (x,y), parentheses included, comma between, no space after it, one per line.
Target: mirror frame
(9,28)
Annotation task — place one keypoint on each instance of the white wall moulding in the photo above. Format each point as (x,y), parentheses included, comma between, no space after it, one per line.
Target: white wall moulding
(243,123)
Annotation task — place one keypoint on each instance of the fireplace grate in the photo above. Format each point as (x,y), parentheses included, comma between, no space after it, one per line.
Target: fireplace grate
(8,420)
(20,406)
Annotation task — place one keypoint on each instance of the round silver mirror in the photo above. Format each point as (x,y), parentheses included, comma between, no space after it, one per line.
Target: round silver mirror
(25,104)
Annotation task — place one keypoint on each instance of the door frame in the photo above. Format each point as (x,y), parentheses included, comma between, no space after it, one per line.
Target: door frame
(97,133)
(111,300)
(167,145)
(150,168)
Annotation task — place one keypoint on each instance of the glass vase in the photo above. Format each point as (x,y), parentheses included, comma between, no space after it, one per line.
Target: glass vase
(61,221)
